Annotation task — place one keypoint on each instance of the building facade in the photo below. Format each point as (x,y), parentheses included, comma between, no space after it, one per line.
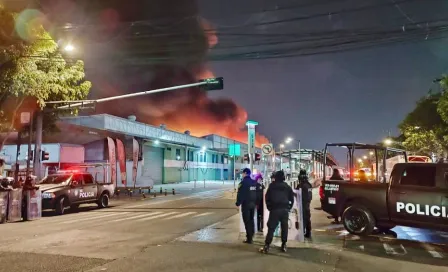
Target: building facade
(165,156)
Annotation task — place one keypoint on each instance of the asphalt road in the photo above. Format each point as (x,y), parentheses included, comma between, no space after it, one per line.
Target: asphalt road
(143,235)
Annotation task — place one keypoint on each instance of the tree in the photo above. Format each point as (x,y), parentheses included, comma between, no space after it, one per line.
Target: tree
(423,142)
(424,129)
(32,70)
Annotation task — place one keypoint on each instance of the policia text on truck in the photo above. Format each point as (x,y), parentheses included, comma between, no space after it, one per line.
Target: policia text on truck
(414,195)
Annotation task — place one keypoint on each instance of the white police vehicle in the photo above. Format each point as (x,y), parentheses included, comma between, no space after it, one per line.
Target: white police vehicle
(72,188)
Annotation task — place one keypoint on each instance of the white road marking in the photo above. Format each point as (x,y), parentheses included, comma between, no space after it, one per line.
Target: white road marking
(432,250)
(179,215)
(93,217)
(136,216)
(391,251)
(154,217)
(196,195)
(202,214)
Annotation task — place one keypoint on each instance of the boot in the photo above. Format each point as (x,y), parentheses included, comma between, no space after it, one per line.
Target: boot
(247,241)
(283,247)
(264,249)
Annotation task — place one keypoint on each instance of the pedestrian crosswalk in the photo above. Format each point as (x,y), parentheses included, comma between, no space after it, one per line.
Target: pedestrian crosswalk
(117,217)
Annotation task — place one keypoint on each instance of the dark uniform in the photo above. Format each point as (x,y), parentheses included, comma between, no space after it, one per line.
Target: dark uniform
(247,198)
(307,195)
(279,201)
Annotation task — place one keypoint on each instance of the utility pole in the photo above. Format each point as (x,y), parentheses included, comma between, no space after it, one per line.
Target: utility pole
(38,146)
(16,171)
(30,139)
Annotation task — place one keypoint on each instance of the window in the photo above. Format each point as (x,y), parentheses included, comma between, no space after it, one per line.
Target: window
(205,157)
(168,148)
(419,176)
(88,179)
(191,155)
(222,158)
(177,154)
(201,158)
(213,158)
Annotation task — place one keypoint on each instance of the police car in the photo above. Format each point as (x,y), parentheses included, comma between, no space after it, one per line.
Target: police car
(72,188)
(416,195)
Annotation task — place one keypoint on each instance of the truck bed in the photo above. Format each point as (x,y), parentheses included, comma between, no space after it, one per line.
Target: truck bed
(337,194)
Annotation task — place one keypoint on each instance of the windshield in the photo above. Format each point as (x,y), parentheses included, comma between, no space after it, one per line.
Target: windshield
(56,179)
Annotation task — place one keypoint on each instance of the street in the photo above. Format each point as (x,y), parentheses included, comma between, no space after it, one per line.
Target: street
(197,230)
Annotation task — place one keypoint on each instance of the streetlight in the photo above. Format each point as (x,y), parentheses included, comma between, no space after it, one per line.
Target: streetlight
(203,148)
(289,140)
(371,153)
(388,142)
(364,157)
(359,160)
(282,146)
(69,48)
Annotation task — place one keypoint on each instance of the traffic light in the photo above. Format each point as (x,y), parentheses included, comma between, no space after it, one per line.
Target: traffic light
(246,157)
(257,156)
(45,156)
(213,84)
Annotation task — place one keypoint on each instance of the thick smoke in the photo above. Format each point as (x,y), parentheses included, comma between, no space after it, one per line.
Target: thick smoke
(188,109)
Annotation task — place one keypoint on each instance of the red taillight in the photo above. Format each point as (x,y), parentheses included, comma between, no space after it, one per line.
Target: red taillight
(321,192)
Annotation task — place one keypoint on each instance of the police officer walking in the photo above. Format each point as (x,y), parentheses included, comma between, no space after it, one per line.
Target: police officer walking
(279,201)
(307,195)
(247,199)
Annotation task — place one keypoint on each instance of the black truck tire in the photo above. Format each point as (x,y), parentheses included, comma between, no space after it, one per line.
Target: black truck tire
(103,202)
(60,205)
(358,220)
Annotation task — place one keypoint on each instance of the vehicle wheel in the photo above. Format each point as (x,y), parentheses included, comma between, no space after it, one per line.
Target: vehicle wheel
(74,206)
(358,220)
(103,202)
(60,205)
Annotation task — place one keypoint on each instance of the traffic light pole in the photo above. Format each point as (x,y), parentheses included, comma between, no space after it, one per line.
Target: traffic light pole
(30,138)
(38,146)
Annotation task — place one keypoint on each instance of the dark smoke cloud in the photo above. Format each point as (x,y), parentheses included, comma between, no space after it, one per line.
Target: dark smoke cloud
(187,109)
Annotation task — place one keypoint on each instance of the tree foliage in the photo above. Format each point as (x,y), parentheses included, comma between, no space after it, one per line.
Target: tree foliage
(425,129)
(32,70)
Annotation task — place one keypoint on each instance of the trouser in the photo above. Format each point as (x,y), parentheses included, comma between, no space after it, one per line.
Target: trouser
(260,219)
(307,220)
(276,216)
(248,219)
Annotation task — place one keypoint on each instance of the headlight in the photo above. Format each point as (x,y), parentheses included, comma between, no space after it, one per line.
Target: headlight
(47,195)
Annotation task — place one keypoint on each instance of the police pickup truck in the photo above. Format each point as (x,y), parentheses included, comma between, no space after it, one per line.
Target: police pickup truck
(70,189)
(416,195)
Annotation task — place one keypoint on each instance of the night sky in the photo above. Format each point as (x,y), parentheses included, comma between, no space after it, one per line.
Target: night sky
(289,87)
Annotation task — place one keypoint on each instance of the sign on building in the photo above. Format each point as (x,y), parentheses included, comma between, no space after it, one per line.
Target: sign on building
(234,150)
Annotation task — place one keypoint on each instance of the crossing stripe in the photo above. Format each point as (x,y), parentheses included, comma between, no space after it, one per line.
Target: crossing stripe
(202,214)
(156,216)
(432,250)
(93,217)
(390,250)
(136,216)
(179,215)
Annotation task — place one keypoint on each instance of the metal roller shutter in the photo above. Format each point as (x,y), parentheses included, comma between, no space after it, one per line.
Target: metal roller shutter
(153,165)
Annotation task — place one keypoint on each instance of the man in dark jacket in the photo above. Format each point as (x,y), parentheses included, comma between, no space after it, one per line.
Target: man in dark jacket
(307,195)
(247,199)
(279,201)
